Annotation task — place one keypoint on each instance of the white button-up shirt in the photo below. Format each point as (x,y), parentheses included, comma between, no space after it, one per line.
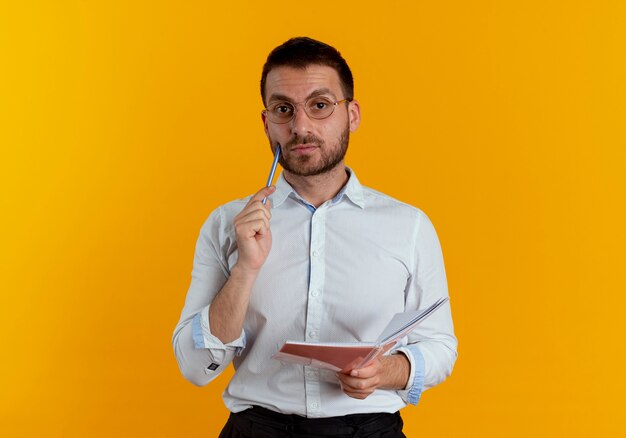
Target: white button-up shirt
(337,273)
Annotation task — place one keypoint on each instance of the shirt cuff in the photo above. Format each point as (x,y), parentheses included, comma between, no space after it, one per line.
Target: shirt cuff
(415,385)
(204,339)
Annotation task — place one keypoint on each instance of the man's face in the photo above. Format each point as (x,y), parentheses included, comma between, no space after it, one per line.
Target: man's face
(309,146)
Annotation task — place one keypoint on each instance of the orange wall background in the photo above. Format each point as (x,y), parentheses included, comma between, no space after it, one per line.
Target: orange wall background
(124,124)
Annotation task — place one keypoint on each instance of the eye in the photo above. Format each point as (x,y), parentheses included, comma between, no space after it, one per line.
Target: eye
(282,109)
(319,104)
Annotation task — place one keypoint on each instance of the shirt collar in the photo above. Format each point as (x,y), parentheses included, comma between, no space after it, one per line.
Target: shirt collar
(353,190)
(283,190)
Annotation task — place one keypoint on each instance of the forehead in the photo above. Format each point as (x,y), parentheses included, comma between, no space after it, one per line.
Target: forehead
(298,84)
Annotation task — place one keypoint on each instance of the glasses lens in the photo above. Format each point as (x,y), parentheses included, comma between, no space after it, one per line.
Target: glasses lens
(319,107)
(280,112)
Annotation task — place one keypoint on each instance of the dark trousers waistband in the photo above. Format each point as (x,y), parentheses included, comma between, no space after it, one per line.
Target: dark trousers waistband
(260,422)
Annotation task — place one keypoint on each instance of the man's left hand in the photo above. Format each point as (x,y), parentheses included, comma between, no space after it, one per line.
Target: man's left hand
(389,372)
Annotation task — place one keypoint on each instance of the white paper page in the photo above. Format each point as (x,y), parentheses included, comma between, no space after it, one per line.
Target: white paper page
(335,344)
(402,321)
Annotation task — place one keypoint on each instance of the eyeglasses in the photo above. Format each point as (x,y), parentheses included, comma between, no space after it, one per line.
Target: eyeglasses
(318,107)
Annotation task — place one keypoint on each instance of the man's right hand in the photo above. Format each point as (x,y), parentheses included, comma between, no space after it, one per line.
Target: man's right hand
(254,241)
(252,230)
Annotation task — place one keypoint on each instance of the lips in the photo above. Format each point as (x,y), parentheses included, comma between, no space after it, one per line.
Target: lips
(303,141)
(302,148)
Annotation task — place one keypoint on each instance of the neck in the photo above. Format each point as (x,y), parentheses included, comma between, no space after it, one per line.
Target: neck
(318,189)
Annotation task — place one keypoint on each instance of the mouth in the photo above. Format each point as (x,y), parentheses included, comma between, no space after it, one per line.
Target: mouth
(303,148)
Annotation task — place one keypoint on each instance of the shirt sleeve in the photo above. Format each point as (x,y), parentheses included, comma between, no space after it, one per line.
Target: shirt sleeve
(432,347)
(415,384)
(201,356)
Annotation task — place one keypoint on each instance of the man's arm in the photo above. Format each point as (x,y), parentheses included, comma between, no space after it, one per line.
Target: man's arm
(429,356)
(254,241)
(210,331)
(432,346)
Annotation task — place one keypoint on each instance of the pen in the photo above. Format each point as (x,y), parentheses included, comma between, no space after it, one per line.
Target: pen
(270,178)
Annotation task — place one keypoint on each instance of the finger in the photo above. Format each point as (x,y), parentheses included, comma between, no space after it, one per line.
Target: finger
(252,228)
(263,193)
(357,393)
(371,370)
(253,208)
(359,396)
(358,384)
(366,391)
(257,213)
(349,390)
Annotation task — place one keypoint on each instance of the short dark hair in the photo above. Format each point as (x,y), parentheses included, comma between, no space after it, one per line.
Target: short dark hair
(300,52)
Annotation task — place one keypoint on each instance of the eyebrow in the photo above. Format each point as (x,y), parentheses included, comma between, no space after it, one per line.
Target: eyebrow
(318,92)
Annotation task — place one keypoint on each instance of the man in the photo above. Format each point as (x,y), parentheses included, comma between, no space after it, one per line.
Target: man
(325,259)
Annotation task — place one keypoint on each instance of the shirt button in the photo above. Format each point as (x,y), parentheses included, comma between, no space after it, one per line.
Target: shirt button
(314,293)
(314,405)
(313,334)
(315,253)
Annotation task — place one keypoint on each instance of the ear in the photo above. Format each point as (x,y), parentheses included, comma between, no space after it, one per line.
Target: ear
(354,114)
(265,122)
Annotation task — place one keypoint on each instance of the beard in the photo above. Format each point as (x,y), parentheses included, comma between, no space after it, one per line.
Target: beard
(305,165)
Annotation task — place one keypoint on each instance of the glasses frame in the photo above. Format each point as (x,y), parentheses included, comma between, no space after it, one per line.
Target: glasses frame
(267,112)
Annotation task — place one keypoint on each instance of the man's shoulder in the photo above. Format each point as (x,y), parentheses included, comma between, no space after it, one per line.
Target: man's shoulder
(235,206)
(221,218)
(231,208)
(377,199)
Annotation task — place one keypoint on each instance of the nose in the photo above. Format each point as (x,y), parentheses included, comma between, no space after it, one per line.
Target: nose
(301,123)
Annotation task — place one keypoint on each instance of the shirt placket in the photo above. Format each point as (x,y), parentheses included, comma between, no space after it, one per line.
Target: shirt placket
(314,311)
